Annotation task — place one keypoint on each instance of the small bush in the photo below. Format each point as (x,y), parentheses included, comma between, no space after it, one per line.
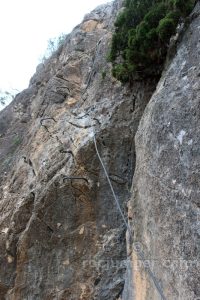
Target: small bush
(142,34)
(120,72)
(53,45)
(7,96)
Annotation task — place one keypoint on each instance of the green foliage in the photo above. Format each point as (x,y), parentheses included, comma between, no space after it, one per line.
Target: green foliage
(184,6)
(120,72)
(6,97)
(166,28)
(142,34)
(53,45)
(155,14)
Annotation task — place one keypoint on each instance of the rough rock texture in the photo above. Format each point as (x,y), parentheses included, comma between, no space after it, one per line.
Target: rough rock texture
(61,235)
(165,205)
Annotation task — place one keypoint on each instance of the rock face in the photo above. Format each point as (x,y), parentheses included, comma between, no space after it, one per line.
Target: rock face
(61,234)
(165,203)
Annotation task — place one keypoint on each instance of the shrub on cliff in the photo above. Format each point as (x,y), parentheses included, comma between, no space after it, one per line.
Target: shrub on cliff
(53,45)
(6,97)
(142,34)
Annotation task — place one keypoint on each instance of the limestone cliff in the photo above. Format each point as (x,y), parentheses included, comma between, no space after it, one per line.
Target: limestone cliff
(165,203)
(61,234)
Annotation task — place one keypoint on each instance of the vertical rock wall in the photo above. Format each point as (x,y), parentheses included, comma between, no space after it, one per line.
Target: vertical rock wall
(165,200)
(61,235)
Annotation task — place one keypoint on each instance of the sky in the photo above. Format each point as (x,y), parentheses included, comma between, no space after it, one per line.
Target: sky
(25,28)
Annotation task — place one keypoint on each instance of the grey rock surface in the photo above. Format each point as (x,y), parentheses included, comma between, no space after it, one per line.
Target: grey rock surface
(165,204)
(61,234)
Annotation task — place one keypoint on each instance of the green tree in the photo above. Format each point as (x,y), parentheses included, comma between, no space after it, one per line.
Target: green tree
(142,34)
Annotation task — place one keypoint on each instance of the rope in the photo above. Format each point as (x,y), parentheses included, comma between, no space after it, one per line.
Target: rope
(113,192)
(140,254)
